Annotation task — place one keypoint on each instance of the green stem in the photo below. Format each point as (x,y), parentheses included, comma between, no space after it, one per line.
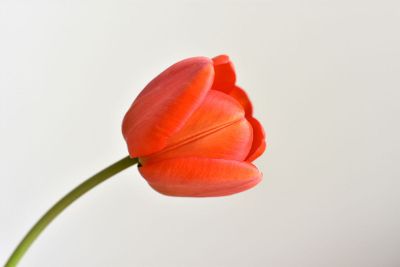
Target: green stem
(52,213)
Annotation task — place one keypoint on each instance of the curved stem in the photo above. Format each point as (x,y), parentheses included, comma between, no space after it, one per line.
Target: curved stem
(52,213)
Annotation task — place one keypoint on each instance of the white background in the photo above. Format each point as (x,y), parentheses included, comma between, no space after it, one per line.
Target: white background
(324,80)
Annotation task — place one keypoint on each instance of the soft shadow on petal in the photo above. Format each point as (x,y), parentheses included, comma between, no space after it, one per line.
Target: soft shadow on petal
(200,177)
(241,96)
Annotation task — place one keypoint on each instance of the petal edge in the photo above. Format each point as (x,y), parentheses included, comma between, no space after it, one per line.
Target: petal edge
(200,177)
(259,145)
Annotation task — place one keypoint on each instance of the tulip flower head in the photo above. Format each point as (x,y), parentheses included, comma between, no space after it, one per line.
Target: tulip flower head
(193,131)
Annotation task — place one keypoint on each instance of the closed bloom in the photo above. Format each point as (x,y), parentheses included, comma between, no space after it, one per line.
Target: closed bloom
(193,131)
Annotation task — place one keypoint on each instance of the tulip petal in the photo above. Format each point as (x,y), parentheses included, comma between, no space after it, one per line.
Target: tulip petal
(225,76)
(165,104)
(259,145)
(217,129)
(241,96)
(231,142)
(200,177)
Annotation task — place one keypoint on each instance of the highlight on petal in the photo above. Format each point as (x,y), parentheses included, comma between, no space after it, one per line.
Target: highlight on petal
(200,177)
(241,96)
(259,145)
(225,76)
(217,129)
(165,104)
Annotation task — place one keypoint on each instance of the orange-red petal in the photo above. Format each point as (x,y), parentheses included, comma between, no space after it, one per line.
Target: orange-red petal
(259,145)
(241,96)
(231,142)
(165,104)
(217,129)
(200,177)
(225,76)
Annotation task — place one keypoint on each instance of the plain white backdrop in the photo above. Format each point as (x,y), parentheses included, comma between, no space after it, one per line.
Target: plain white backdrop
(324,80)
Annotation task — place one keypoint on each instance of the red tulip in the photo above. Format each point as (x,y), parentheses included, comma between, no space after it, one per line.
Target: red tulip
(193,131)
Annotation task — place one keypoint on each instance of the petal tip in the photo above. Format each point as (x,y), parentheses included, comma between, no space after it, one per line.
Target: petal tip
(225,76)
(220,59)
